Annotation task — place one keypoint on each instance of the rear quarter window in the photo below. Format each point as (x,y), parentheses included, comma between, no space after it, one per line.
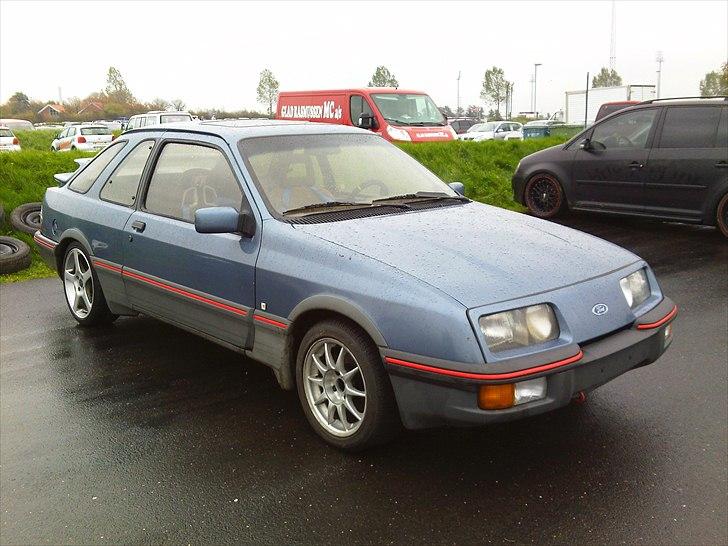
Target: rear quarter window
(86,178)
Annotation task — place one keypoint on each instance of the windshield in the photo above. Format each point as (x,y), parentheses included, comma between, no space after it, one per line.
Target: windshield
(296,171)
(4,132)
(171,118)
(96,131)
(482,128)
(407,109)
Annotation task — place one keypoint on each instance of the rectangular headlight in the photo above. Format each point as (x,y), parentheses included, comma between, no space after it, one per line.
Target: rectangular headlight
(635,287)
(519,327)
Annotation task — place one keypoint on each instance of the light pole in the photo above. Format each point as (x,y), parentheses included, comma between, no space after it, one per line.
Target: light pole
(535,74)
(659,60)
(457,111)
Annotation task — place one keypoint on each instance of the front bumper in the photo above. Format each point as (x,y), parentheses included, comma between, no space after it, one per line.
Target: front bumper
(430,396)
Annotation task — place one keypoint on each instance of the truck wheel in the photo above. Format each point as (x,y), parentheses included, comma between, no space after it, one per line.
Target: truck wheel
(81,287)
(722,215)
(26,218)
(344,390)
(14,255)
(544,196)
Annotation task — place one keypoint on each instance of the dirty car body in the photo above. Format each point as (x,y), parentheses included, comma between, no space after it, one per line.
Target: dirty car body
(425,278)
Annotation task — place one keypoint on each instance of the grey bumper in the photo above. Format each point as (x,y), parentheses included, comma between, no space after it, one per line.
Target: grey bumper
(428,399)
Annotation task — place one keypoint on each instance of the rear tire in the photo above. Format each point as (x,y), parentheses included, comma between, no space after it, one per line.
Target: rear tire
(721,215)
(82,290)
(344,390)
(544,196)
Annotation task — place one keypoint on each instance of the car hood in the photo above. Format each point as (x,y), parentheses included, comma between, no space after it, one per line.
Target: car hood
(476,253)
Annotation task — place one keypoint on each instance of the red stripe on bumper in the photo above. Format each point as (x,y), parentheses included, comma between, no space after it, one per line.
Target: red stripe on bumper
(185,293)
(660,322)
(42,242)
(270,321)
(487,376)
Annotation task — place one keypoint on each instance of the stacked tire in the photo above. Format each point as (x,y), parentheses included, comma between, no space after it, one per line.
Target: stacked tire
(14,253)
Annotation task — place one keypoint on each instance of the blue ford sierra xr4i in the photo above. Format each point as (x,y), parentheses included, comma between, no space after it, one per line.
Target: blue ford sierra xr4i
(380,293)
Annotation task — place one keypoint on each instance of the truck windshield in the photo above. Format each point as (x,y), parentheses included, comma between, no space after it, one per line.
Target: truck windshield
(300,170)
(408,109)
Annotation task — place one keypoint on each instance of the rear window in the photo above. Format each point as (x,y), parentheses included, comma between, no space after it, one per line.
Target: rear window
(690,127)
(96,131)
(172,118)
(6,133)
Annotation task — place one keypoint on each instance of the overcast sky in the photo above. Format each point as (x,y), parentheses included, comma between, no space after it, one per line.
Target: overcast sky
(210,54)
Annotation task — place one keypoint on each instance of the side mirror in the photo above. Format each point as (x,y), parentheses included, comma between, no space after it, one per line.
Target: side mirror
(458,187)
(224,220)
(367,121)
(58,136)
(585,145)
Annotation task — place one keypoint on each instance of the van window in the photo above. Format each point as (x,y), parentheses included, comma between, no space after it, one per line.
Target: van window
(121,187)
(88,175)
(188,177)
(629,130)
(172,118)
(358,106)
(690,127)
(721,141)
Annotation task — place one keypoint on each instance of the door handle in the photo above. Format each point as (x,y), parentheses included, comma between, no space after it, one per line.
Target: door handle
(722,165)
(137,225)
(635,165)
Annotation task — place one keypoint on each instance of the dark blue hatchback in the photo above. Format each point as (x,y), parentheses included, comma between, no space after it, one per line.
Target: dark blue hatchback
(380,293)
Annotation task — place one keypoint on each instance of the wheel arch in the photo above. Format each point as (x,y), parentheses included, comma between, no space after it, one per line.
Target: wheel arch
(559,173)
(711,210)
(311,311)
(69,236)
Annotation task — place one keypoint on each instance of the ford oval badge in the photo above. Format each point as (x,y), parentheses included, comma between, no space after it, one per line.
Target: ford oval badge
(600,309)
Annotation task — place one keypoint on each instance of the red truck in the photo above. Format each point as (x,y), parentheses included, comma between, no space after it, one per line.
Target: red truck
(396,114)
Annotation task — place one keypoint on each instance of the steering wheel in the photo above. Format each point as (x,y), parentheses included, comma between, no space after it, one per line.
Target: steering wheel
(199,194)
(383,189)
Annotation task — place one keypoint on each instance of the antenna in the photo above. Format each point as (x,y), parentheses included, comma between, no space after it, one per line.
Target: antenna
(613,43)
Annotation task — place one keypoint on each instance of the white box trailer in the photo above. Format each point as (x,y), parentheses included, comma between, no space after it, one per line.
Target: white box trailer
(576,100)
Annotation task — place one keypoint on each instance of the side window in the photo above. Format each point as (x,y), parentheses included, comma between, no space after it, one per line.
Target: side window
(188,177)
(71,132)
(357,107)
(721,140)
(63,134)
(121,188)
(151,120)
(628,131)
(86,178)
(690,127)
(133,123)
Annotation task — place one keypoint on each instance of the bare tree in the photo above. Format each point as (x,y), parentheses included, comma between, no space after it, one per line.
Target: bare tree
(178,105)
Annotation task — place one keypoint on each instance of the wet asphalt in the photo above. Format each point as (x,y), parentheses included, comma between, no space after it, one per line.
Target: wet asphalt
(142,433)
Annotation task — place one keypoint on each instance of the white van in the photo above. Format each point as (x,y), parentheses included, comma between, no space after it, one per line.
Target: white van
(156,117)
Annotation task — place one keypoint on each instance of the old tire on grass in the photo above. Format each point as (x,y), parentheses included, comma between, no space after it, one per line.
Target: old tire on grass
(14,255)
(26,218)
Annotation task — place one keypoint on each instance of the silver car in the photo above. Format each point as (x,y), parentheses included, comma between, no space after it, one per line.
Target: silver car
(494,130)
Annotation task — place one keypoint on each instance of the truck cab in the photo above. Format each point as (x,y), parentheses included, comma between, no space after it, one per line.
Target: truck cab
(397,115)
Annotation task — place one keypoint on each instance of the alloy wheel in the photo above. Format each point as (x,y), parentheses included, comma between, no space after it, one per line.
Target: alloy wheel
(78,283)
(544,195)
(334,387)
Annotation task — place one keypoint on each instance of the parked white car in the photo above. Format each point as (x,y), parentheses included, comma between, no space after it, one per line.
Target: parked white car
(84,137)
(156,117)
(494,130)
(17,124)
(8,141)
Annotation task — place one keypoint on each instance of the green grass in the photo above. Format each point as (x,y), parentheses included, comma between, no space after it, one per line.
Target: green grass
(24,177)
(39,139)
(485,168)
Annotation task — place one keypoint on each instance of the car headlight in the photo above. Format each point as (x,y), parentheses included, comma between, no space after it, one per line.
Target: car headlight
(635,287)
(398,134)
(519,327)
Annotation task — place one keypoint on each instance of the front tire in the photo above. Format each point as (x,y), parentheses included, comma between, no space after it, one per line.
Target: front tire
(721,215)
(344,390)
(82,289)
(544,196)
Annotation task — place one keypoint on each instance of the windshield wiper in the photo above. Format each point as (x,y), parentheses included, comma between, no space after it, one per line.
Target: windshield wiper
(418,123)
(427,195)
(328,204)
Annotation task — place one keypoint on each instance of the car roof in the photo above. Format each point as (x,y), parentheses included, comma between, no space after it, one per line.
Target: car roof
(236,129)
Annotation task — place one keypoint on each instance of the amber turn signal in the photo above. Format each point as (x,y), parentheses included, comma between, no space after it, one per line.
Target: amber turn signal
(491,397)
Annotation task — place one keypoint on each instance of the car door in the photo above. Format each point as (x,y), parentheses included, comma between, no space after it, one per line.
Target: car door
(200,281)
(608,173)
(67,140)
(685,163)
